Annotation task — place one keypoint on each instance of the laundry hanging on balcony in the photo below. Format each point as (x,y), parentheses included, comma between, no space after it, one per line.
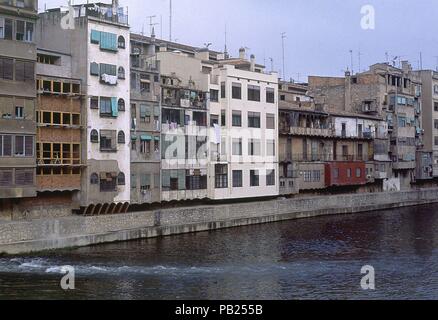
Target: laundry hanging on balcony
(112,80)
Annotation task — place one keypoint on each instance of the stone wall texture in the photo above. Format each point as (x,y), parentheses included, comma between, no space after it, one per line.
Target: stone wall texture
(20,237)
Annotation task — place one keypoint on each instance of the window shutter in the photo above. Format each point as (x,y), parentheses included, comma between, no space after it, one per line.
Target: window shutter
(8,69)
(94,69)
(5,178)
(7,146)
(95,36)
(114,107)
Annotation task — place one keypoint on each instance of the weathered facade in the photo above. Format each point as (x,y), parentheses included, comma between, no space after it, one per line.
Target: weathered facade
(60,129)
(17,102)
(384,93)
(145,121)
(98,41)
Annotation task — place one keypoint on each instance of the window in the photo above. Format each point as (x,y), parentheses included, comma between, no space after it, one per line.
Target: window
(19,30)
(270,95)
(24,177)
(6,178)
(436,124)
(253,93)
(6,69)
(254,178)
(223,118)
(270,121)
(214,95)
(94,178)
(336,173)
(94,136)
(29,71)
(436,141)
(237,91)
(237,118)
(358,173)
(121,179)
(105,107)
(5,146)
(221,176)
(283,97)
(237,178)
(29,32)
(316,175)
(19,112)
(270,177)
(108,69)
(2,28)
(108,182)
(270,148)
(349,173)
(121,42)
(94,103)
(108,140)
(237,147)
(8,29)
(214,119)
(121,73)
(223,90)
(24,146)
(254,147)
(253,120)
(435,105)
(121,137)
(121,105)
(307,176)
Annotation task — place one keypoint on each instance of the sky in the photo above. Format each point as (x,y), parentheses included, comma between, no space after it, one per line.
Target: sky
(320,34)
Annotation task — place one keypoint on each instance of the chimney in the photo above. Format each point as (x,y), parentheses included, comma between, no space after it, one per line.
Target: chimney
(252,67)
(347,97)
(242,54)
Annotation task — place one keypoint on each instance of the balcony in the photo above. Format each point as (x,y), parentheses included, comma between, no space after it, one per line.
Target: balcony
(299,131)
(404,165)
(104,12)
(380,175)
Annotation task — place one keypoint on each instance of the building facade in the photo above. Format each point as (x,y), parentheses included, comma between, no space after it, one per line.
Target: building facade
(244,124)
(98,41)
(17,102)
(60,129)
(146,121)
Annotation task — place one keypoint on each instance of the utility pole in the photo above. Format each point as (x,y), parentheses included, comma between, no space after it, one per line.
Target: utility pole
(421,61)
(151,24)
(272,64)
(170,22)
(283,36)
(351,57)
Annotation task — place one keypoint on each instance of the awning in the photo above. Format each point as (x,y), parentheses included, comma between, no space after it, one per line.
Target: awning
(144,137)
(133,137)
(157,138)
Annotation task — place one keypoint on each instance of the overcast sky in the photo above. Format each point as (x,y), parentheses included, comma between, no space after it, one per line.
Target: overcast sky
(320,33)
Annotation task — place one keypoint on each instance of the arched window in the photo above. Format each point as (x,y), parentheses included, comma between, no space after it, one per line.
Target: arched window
(94,136)
(121,73)
(121,105)
(121,179)
(121,42)
(121,137)
(94,178)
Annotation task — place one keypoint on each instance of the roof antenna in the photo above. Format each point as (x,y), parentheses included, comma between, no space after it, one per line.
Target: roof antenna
(226,49)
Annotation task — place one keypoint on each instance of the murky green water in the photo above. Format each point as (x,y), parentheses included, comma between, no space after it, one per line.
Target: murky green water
(306,259)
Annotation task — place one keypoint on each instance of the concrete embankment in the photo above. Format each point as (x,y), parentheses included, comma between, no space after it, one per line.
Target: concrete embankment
(21,237)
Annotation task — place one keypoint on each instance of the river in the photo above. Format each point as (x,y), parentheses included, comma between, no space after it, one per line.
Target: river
(317,258)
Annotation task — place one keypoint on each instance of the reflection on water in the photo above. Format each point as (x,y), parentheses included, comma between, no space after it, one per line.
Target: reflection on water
(306,259)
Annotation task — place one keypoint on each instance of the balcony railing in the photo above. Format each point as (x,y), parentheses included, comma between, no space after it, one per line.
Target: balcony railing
(300,131)
(106,13)
(323,157)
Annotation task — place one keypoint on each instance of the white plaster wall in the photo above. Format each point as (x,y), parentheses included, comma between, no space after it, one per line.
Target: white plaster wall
(229,74)
(122,90)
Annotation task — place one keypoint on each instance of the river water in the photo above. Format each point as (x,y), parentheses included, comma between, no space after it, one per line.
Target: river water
(319,258)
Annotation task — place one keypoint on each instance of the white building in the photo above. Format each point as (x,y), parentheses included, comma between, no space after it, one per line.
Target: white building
(244,126)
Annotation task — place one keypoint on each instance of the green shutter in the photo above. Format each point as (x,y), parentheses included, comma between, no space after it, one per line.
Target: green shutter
(114,107)
(94,69)
(108,41)
(95,36)
(145,137)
